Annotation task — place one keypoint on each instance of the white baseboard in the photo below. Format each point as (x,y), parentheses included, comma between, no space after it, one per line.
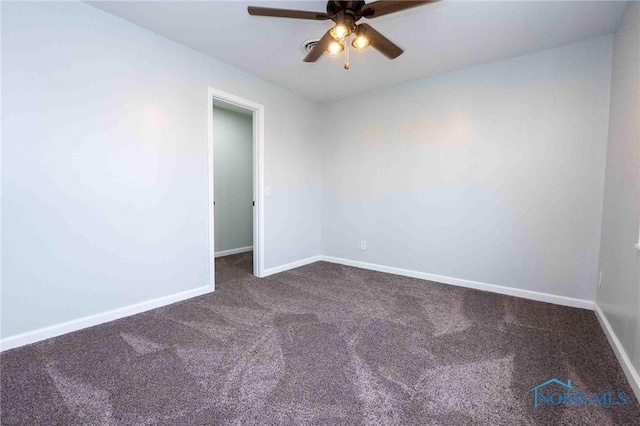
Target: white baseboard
(233,251)
(67,327)
(625,362)
(509,291)
(292,265)
(74,325)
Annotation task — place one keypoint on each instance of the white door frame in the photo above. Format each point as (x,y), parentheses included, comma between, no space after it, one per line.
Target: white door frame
(258,178)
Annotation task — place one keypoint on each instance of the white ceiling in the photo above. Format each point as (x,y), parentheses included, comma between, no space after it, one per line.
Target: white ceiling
(437,38)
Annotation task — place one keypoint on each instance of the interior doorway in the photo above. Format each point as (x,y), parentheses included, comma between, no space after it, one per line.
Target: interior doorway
(236,180)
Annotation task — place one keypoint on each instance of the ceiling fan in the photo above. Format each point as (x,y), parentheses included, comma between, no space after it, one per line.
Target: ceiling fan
(345,15)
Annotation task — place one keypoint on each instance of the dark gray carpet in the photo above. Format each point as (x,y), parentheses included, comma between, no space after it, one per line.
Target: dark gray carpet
(324,345)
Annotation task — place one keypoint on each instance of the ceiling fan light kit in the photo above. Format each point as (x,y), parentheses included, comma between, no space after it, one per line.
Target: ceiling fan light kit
(345,25)
(335,47)
(360,41)
(345,15)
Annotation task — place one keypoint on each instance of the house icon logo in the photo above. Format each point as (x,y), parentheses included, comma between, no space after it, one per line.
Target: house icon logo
(537,392)
(562,393)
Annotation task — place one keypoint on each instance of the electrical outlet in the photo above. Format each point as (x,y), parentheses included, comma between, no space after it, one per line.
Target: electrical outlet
(600,280)
(363,245)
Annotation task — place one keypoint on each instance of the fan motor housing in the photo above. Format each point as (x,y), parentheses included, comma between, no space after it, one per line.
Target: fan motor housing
(351,7)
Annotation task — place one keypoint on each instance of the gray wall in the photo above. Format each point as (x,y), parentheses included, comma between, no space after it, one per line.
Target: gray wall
(619,296)
(105,165)
(492,174)
(233,177)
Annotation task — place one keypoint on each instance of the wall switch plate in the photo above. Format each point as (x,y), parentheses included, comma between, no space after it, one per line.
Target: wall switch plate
(267,191)
(363,245)
(600,280)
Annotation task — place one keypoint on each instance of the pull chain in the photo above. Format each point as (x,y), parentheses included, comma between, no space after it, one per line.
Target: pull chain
(346,53)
